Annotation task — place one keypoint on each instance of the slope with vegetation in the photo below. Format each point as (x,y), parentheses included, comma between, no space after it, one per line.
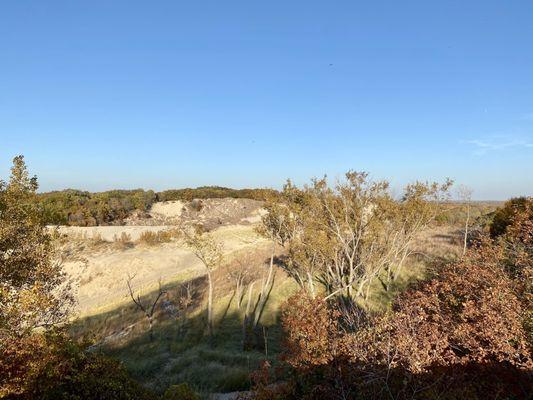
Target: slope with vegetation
(81,208)
(350,294)
(464,333)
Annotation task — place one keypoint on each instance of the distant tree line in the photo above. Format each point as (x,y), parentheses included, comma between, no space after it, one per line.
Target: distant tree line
(214,192)
(82,208)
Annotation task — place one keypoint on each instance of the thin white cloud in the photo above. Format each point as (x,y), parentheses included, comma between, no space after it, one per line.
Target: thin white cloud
(497,143)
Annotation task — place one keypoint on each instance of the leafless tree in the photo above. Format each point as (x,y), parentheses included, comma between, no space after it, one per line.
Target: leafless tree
(147,309)
(186,296)
(185,300)
(240,273)
(346,235)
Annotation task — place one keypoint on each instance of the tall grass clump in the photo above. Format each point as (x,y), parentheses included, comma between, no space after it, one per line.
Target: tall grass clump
(151,238)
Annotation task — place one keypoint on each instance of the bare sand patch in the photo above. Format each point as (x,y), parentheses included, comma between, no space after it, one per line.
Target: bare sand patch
(100,274)
(167,209)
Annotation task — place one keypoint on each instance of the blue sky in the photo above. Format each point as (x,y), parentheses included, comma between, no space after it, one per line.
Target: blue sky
(167,94)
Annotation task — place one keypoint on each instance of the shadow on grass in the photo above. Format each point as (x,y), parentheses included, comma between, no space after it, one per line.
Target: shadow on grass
(181,350)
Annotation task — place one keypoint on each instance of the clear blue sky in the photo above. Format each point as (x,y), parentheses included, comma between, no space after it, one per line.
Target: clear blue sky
(166,94)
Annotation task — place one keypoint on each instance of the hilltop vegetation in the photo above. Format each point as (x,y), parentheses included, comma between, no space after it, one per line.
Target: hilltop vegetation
(464,334)
(81,208)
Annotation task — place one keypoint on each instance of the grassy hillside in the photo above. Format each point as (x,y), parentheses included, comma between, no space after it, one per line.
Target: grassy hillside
(181,350)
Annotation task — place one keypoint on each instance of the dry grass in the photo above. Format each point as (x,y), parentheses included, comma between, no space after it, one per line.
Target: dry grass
(150,238)
(181,350)
(123,241)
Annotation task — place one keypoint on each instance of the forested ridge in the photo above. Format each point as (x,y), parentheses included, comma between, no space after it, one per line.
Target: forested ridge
(83,208)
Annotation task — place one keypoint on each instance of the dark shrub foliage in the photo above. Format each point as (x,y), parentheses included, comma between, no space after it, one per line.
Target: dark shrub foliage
(53,367)
(504,216)
(180,392)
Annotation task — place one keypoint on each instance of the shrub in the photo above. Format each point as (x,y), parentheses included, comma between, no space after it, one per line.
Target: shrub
(504,216)
(123,241)
(76,207)
(97,239)
(460,335)
(197,205)
(518,253)
(215,192)
(311,332)
(151,238)
(53,367)
(234,379)
(180,392)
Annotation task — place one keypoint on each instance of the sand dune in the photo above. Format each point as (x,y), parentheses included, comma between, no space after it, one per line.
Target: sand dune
(99,269)
(167,209)
(99,274)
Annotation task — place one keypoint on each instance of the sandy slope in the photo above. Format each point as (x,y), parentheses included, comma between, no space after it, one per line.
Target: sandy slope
(100,274)
(167,209)
(108,233)
(99,269)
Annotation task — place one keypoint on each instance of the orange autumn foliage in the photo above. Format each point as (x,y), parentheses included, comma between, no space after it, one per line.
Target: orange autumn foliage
(463,334)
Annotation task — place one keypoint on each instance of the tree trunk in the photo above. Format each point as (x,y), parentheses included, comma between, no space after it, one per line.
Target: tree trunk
(265,290)
(239,295)
(210,305)
(150,324)
(311,284)
(246,319)
(466,229)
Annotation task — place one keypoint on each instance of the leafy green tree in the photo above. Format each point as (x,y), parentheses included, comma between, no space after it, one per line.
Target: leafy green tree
(37,359)
(33,290)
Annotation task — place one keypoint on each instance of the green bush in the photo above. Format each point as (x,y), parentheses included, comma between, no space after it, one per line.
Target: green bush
(75,207)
